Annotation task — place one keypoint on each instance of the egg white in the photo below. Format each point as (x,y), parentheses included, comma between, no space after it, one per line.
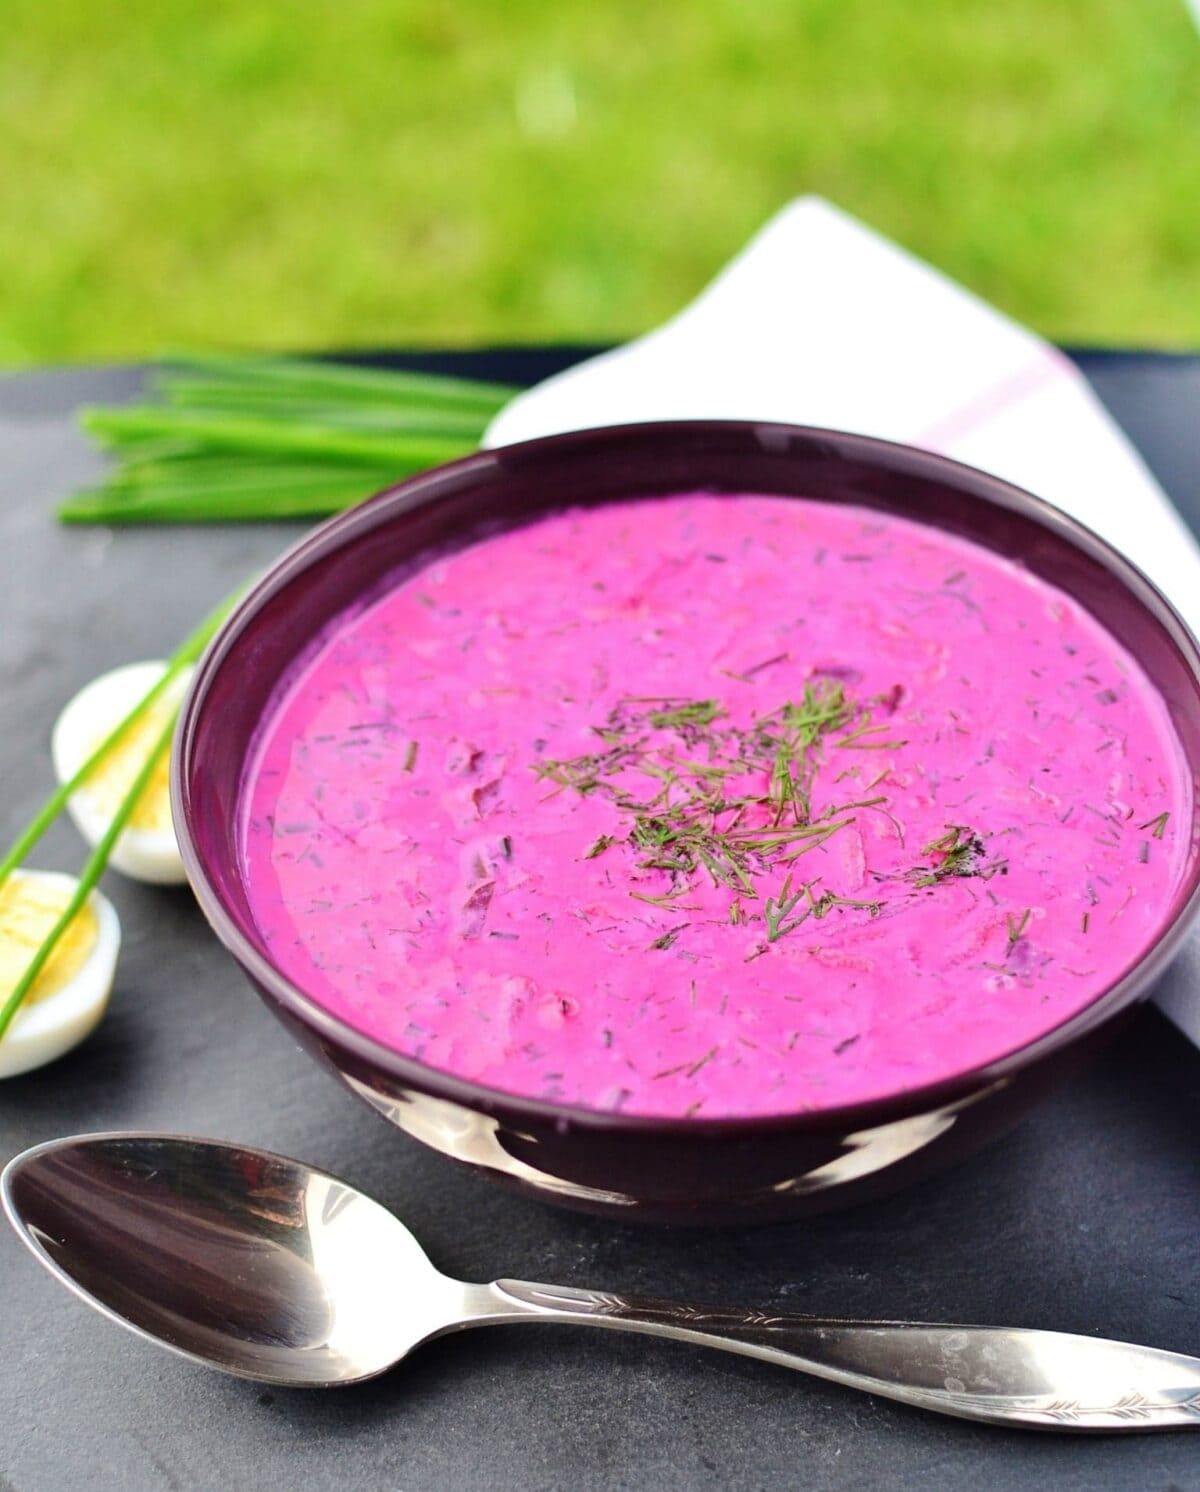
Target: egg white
(45,1029)
(145,854)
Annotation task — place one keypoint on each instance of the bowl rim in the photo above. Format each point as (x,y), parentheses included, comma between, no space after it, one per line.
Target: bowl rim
(323,541)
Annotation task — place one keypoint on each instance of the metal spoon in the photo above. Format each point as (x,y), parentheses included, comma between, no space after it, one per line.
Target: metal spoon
(271,1270)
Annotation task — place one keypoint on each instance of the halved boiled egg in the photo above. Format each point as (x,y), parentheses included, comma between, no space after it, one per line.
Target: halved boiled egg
(71,993)
(147,849)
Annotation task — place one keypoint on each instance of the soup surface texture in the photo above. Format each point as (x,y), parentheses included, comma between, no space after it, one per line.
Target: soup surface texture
(713,805)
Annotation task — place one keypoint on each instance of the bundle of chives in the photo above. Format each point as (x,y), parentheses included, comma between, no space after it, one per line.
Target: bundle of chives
(238,438)
(89,877)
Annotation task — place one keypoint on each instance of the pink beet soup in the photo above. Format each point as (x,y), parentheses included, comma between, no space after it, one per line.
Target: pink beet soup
(713,805)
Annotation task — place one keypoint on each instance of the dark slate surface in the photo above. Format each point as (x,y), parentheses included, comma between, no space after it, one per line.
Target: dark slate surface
(1085,1219)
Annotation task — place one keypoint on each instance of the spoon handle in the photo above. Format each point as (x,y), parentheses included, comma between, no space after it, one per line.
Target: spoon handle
(1045,1380)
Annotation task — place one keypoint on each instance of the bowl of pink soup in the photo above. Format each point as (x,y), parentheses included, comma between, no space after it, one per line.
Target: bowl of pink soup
(697,822)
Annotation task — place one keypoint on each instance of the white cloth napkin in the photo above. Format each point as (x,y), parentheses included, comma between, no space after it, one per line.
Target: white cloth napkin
(820,321)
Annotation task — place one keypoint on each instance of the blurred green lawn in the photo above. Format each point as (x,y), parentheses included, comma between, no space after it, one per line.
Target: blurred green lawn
(369,172)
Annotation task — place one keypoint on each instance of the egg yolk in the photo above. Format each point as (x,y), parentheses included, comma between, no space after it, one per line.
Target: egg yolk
(112,778)
(28,910)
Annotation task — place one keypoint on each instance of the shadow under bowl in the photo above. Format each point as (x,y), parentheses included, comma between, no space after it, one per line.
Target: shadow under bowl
(681,1170)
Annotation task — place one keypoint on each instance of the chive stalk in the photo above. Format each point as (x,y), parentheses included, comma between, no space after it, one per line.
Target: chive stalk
(187,653)
(245,438)
(89,876)
(339,379)
(234,432)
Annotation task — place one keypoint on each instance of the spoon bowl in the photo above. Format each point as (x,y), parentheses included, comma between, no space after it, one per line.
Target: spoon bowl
(236,1258)
(270,1269)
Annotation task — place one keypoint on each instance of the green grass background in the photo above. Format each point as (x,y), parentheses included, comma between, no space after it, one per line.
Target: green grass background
(371,172)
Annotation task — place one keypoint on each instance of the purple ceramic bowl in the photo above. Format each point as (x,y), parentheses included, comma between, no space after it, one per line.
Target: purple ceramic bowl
(670,1170)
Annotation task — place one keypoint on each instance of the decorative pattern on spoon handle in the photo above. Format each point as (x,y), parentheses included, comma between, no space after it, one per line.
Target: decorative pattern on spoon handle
(995,1374)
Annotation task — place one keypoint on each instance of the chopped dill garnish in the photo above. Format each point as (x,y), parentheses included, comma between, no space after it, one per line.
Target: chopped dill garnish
(958,852)
(410,756)
(702,1061)
(776,910)
(830,900)
(1157,826)
(668,938)
(695,712)
(667,899)
(734,804)
(581,774)
(1016,927)
(856,739)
